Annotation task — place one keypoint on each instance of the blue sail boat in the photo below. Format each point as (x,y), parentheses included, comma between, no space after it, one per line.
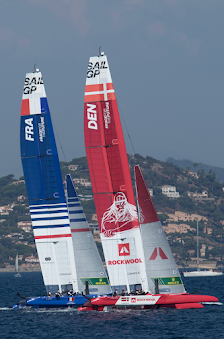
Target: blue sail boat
(48,208)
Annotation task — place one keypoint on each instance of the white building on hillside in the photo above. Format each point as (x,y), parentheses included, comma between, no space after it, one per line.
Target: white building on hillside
(170,191)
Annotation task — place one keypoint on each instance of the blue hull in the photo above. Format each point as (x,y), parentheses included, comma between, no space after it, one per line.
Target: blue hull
(53,302)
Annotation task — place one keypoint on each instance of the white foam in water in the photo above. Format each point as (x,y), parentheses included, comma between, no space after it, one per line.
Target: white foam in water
(212,303)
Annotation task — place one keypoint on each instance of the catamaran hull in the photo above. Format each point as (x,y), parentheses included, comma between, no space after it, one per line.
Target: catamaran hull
(53,302)
(149,301)
(202,274)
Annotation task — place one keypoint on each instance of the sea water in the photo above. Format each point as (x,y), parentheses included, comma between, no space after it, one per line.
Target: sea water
(70,323)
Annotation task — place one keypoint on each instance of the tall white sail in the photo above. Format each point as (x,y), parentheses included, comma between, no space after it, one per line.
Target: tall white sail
(89,265)
(159,260)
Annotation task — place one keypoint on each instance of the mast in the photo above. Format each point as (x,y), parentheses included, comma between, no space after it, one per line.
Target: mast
(198,269)
(111,179)
(17,263)
(45,189)
(160,263)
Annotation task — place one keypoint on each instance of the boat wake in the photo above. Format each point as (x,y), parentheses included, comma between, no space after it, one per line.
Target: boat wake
(212,303)
(6,308)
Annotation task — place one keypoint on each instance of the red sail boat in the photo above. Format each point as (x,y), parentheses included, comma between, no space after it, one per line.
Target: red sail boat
(125,255)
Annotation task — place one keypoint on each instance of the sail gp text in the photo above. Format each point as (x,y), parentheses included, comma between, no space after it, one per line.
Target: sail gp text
(30,85)
(124,262)
(94,69)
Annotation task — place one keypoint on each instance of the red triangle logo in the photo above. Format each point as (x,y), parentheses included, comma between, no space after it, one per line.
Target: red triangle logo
(162,254)
(154,254)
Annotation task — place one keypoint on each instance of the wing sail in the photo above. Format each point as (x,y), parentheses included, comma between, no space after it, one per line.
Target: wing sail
(159,260)
(45,191)
(110,177)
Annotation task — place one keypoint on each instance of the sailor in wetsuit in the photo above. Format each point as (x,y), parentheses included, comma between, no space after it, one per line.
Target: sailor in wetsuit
(122,292)
(115,293)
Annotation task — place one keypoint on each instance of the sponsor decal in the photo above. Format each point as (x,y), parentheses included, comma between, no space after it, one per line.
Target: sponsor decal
(155,254)
(29,129)
(120,211)
(123,249)
(168,281)
(47,259)
(125,262)
(94,69)
(106,115)
(92,116)
(64,273)
(95,281)
(41,126)
(30,84)
(133,300)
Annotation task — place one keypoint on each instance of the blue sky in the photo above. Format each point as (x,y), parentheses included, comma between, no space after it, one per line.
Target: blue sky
(166,60)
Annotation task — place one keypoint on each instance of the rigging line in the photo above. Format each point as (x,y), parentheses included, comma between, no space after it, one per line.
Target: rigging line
(126,127)
(54,126)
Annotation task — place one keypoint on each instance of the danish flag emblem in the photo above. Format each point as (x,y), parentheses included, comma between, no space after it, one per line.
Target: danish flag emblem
(123,249)
(155,254)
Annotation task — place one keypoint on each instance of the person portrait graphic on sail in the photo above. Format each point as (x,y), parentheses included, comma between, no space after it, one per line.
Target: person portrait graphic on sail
(118,215)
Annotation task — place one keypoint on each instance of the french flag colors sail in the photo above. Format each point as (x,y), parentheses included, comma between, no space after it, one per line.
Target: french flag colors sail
(111,180)
(89,265)
(159,260)
(45,191)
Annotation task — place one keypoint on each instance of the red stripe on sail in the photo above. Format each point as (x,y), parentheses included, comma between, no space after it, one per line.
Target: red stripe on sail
(147,208)
(94,97)
(110,86)
(80,230)
(94,88)
(53,236)
(154,254)
(25,108)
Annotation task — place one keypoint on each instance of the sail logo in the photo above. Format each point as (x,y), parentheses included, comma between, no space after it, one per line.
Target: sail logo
(92,116)
(123,249)
(125,262)
(30,85)
(122,212)
(155,254)
(94,69)
(41,127)
(29,129)
(106,115)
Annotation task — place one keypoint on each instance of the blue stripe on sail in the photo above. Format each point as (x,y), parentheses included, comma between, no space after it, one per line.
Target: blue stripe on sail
(41,206)
(73,199)
(54,218)
(75,212)
(53,226)
(77,220)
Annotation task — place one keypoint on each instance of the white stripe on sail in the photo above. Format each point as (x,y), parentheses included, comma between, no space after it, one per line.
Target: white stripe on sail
(50,222)
(53,215)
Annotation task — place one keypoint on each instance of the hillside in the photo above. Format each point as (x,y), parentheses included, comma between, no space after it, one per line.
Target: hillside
(13,239)
(194,166)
